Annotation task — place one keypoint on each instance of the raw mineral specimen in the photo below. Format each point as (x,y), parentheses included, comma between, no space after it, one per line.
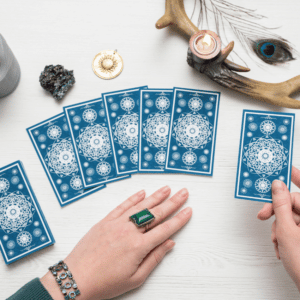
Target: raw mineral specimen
(57,80)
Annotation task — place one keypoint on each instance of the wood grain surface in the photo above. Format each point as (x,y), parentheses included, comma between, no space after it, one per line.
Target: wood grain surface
(224,252)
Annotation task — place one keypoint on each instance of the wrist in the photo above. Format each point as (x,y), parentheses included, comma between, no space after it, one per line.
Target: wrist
(50,284)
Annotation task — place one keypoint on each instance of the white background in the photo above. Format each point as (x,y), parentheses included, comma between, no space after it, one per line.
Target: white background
(224,252)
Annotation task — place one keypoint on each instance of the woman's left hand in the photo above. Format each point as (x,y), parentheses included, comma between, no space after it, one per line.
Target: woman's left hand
(116,256)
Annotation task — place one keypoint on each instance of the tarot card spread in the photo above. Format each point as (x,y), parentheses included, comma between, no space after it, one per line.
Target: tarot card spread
(193,131)
(265,154)
(155,116)
(24,229)
(89,131)
(52,142)
(122,110)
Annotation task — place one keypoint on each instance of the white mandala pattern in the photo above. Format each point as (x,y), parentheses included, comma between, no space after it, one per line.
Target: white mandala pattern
(192,131)
(4,185)
(126,131)
(76,183)
(54,132)
(267,127)
(155,130)
(189,158)
(94,142)
(162,103)
(262,185)
(195,104)
(61,158)
(127,104)
(103,168)
(134,157)
(16,212)
(160,157)
(89,115)
(265,157)
(24,239)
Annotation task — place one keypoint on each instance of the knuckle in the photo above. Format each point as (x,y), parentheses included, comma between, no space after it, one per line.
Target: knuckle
(175,200)
(138,244)
(158,212)
(157,256)
(166,226)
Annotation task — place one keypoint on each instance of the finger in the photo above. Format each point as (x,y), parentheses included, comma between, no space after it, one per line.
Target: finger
(162,232)
(282,204)
(296,202)
(296,218)
(127,204)
(153,200)
(296,176)
(276,250)
(152,260)
(168,207)
(156,198)
(266,212)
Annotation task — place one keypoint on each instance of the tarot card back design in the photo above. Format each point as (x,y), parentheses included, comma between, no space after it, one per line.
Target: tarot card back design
(90,136)
(193,131)
(265,154)
(23,227)
(155,117)
(52,142)
(122,110)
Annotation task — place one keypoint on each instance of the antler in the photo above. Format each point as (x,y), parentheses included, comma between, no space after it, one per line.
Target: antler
(221,69)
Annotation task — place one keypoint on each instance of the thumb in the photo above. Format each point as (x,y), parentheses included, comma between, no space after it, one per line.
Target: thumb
(282,204)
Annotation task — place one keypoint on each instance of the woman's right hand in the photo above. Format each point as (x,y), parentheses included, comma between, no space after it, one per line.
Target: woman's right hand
(286,227)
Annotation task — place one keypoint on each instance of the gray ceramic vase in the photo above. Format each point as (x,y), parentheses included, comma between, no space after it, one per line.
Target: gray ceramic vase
(9,69)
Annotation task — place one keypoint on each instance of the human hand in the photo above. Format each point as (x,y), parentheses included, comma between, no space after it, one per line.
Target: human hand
(286,227)
(116,256)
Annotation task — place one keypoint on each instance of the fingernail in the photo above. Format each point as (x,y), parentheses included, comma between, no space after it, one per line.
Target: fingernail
(183,193)
(141,193)
(187,211)
(277,186)
(165,189)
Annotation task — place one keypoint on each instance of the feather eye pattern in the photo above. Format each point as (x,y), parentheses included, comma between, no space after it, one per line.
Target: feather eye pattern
(267,45)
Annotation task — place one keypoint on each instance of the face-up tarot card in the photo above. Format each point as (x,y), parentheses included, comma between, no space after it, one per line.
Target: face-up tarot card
(266,148)
(52,142)
(155,115)
(89,131)
(23,227)
(193,131)
(122,110)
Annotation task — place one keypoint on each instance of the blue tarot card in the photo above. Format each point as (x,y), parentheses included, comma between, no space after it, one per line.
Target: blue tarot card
(122,110)
(155,116)
(89,131)
(266,149)
(23,227)
(193,131)
(52,142)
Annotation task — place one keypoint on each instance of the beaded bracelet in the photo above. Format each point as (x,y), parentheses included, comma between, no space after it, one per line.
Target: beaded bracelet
(63,275)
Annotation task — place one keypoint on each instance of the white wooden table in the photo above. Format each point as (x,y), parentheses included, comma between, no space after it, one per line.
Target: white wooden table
(224,252)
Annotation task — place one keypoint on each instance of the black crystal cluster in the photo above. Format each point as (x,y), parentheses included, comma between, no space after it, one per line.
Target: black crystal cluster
(57,80)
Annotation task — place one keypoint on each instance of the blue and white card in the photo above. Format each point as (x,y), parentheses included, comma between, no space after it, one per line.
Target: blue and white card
(122,110)
(193,131)
(23,227)
(155,116)
(89,131)
(52,142)
(266,149)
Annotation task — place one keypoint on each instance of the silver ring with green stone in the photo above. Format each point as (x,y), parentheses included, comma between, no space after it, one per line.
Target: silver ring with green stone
(142,218)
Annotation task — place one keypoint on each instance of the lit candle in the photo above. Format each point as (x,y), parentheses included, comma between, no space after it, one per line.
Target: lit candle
(205,45)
